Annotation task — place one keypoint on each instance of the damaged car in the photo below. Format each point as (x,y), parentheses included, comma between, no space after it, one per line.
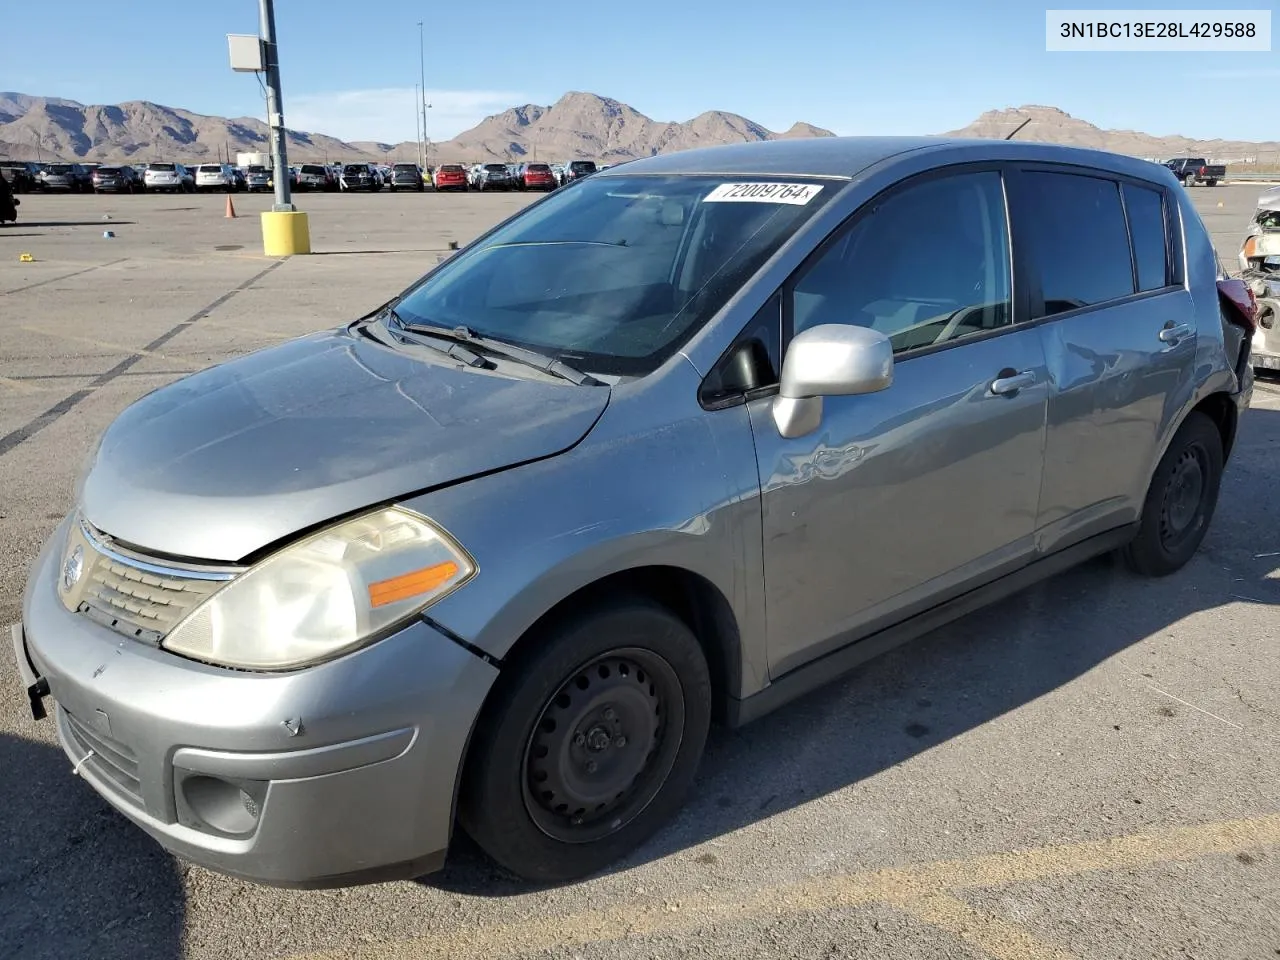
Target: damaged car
(683,442)
(1260,269)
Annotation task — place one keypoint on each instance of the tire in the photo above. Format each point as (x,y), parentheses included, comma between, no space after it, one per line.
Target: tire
(1211,183)
(1180,501)
(611,682)
(1189,181)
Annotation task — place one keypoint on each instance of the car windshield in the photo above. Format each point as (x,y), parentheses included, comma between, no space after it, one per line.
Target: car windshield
(583,166)
(405,167)
(451,168)
(538,168)
(355,168)
(112,170)
(257,168)
(497,167)
(162,167)
(59,168)
(210,168)
(615,274)
(312,168)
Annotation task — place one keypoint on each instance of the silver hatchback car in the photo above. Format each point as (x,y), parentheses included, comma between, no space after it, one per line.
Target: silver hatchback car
(683,440)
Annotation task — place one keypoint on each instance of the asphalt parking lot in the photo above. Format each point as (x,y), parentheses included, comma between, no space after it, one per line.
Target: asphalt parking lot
(1088,769)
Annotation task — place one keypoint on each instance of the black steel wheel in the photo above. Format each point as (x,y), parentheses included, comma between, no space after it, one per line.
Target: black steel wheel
(1180,501)
(598,754)
(588,742)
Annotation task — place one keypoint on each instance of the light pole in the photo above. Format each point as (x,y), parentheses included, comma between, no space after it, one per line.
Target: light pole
(417,122)
(422,98)
(275,113)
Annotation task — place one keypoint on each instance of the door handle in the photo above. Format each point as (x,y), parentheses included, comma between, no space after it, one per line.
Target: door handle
(1174,334)
(1009,385)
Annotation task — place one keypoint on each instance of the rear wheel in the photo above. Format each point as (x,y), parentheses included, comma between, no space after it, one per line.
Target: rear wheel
(1180,501)
(591,745)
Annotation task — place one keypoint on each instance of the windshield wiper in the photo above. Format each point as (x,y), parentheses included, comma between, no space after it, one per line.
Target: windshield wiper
(452,348)
(545,362)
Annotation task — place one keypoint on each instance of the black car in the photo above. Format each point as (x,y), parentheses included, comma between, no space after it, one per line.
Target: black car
(577,169)
(22,175)
(72,177)
(406,176)
(361,176)
(116,180)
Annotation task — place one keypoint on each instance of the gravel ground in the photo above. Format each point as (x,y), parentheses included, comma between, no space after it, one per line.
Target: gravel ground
(1087,769)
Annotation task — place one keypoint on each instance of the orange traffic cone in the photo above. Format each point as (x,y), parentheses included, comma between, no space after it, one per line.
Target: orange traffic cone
(231,208)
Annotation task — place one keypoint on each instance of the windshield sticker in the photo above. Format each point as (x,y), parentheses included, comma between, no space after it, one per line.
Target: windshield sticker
(794,193)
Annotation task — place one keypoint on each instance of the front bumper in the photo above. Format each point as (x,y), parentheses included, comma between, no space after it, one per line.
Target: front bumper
(350,766)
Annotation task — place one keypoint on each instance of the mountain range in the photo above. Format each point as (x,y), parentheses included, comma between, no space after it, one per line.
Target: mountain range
(579,124)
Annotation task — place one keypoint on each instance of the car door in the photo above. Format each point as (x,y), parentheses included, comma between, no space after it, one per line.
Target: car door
(902,498)
(1119,338)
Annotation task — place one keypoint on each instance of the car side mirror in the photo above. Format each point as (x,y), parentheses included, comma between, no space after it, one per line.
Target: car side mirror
(829,360)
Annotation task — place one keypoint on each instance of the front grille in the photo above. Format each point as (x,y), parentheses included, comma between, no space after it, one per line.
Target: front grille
(143,603)
(111,759)
(138,596)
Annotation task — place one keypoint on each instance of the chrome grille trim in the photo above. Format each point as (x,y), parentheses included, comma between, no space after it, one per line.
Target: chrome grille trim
(105,546)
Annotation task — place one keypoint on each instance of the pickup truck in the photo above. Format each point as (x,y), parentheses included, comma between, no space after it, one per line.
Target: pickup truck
(1193,170)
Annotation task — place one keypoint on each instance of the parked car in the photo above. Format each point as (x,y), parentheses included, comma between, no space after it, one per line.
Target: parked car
(9,203)
(216,176)
(72,177)
(536,176)
(316,176)
(406,176)
(257,178)
(451,176)
(425,557)
(361,176)
(494,176)
(1194,170)
(576,170)
(23,176)
(167,177)
(116,180)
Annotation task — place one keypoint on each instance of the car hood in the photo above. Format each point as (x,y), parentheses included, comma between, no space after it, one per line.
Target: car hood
(224,462)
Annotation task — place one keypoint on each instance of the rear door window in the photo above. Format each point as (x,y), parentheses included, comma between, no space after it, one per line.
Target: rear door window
(1078,241)
(1147,227)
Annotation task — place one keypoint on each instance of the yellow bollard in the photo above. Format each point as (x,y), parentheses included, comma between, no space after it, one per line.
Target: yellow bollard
(285,234)
(26,258)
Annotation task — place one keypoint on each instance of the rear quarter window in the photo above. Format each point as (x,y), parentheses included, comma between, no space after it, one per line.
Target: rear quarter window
(1079,243)
(1144,208)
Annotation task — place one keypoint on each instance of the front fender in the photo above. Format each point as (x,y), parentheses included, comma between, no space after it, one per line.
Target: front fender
(678,491)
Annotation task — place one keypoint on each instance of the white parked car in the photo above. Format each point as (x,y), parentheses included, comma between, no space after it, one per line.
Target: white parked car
(216,176)
(171,177)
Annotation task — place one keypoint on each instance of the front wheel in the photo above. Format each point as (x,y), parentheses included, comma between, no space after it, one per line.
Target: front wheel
(591,744)
(1180,501)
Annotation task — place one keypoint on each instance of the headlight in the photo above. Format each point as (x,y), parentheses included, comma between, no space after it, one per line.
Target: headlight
(326,594)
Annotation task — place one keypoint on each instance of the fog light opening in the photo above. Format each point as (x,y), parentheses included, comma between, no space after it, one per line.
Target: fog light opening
(225,806)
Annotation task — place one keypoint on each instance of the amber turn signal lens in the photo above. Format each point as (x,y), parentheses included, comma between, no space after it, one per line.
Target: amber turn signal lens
(411,584)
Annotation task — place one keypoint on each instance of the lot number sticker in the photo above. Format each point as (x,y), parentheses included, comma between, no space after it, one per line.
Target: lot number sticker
(794,193)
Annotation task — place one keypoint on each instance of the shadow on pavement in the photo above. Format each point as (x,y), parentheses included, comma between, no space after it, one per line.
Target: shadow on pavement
(959,677)
(106,224)
(77,879)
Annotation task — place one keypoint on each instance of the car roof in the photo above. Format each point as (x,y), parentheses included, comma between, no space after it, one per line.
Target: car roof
(846,157)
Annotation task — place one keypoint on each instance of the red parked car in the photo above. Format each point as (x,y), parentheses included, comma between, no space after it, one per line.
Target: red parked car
(537,176)
(451,176)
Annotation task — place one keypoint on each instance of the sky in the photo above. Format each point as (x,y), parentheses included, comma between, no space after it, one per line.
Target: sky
(348,68)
